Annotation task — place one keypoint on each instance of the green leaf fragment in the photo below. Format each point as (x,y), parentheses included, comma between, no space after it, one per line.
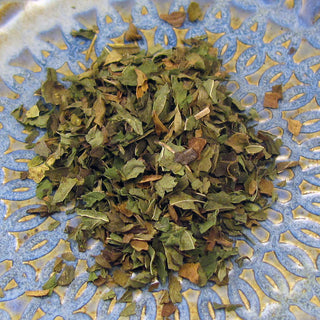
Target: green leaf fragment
(33,112)
(140,280)
(129,310)
(161,99)
(92,197)
(184,201)
(54,225)
(133,168)
(134,122)
(67,276)
(175,289)
(95,137)
(93,214)
(165,185)
(174,258)
(108,295)
(92,276)
(64,189)
(194,11)
(211,88)
(50,284)
(227,307)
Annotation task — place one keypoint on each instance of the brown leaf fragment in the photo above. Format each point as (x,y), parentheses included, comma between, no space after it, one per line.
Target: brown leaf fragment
(67,276)
(159,126)
(122,207)
(37,293)
(100,281)
(278,89)
(132,33)
(68,256)
(111,97)
(227,307)
(186,156)
(139,245)
(252,187)
(292,50)
(111,254)
(58,265)
(168,309)
(197,144)
(238,141)
(120,277)
(294,126)
(176,18)
(216,236)
(281,166)
(150,178)
(154,286)
(24,175)
(126,264)
(99,109)
(43,209)
(266,187)
(127,237)
(271,100)
(190,272)
(173,213)
(250,223)
(142,83)
(102,261)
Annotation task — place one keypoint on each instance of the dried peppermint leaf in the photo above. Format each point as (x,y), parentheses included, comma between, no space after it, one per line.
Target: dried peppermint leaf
(175,289)
(129,310)
(168,309)
(227,307)
(194,11)
(175,18)
(165,185)
(68,256)
(190,272)
(157,160)
(133,168)
(84,33)
(50,284)
(132,33)
(67,276)
(64,189)
(54,225)
(108,295)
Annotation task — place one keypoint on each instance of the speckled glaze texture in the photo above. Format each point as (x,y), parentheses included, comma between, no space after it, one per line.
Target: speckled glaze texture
(262,43)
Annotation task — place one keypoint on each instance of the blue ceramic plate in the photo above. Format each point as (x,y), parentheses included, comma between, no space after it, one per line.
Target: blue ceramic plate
(262,43)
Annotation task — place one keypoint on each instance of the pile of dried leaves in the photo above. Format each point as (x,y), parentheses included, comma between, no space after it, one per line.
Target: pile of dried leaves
(158,161)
